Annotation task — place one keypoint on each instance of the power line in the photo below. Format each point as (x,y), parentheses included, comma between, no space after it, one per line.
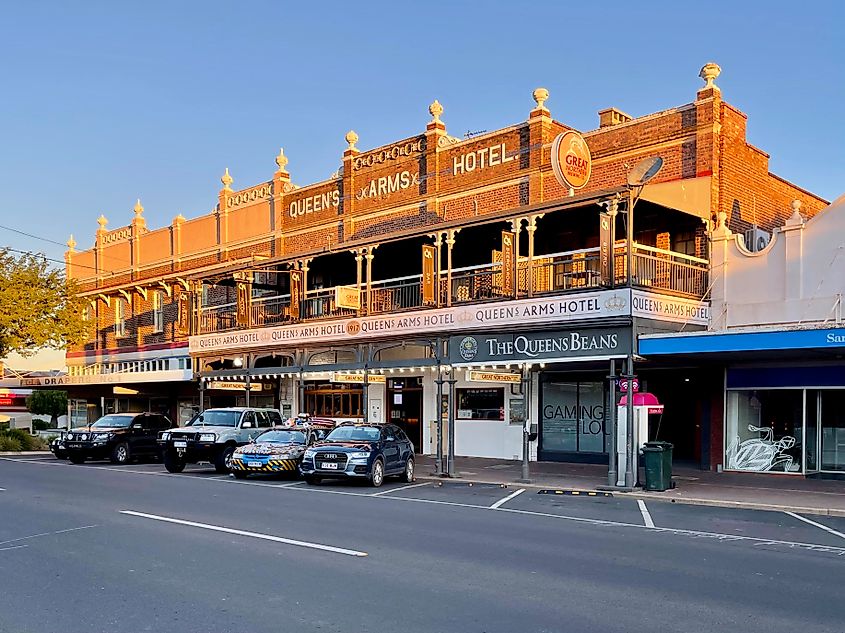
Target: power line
(47,239)
(42,256)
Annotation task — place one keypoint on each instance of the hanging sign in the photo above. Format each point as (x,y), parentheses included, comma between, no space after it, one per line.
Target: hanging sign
(357,379)
(508,263)
(347,297)
(428,256)
(571,160)
(295,292)
(493,376)
(183,325)
(244,302)
(605,272)
(237,386)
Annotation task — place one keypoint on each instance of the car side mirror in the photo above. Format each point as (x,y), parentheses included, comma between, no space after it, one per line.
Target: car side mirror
(390,438)
(246,425)
(137,425)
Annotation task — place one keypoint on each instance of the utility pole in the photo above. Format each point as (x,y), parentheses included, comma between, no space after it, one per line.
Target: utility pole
(450,458)
(526,425)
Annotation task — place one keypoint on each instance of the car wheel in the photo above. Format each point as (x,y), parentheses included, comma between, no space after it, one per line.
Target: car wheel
(312,481)
(408,475)
(377,476)
(77,459)
(120,454)
(223,461)
(173,464)
(239,474)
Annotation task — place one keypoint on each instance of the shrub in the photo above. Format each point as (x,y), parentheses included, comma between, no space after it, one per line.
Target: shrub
(9,443)
(22,437)
(40,425)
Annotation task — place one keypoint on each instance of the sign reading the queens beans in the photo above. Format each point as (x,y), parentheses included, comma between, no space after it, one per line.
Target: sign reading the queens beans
(543,345)
(571,160)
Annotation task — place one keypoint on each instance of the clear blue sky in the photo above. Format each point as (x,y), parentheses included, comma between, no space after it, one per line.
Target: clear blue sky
(105,102)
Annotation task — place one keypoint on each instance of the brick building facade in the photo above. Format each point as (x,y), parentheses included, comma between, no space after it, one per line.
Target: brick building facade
(430,188)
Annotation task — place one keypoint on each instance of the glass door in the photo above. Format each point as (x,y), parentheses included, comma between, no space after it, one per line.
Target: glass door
(811,430)
(832,426)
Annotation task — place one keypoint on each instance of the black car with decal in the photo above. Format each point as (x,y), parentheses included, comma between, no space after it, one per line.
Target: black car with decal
(119,437)
(57,447)
(368,452)
(276,451)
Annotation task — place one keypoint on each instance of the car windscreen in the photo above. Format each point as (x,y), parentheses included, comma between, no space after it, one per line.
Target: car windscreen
(282,437)
(354,434)
(216,418)
(113,422)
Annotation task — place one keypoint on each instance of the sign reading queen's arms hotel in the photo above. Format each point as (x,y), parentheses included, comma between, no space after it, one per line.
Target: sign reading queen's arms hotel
(536,312)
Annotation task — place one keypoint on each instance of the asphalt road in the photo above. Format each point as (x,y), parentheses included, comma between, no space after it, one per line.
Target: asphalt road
(129,549)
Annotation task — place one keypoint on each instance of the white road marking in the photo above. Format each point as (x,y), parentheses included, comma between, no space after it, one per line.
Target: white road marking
(265,537)
(385,492)
(502,502)
(24,538)
(646,514)
(839,551)
(818,525)
(2,490)
(5,549)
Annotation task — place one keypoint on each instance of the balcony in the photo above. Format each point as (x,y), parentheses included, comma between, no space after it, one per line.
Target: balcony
(656,269)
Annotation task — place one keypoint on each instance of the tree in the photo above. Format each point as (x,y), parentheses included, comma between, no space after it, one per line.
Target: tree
(39,307)
(48,402)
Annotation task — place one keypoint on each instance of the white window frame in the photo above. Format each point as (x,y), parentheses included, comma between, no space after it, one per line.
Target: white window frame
(120,318)
(158,311)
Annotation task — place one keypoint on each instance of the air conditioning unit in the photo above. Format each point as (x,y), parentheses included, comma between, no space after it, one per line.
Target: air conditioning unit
(756,239)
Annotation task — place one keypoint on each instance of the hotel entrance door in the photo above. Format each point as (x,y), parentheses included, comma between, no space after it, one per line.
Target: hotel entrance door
(404,407)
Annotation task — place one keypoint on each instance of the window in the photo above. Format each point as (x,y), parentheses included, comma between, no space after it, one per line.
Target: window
(481,404)
(274,417)
(249,418)
(572,417)
(158,311)
(120,317)
(334,401)
(685,243)
(86,313)
(263,420)
(764,430)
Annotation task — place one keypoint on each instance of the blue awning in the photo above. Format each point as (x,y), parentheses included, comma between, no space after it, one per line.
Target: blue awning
(724,342)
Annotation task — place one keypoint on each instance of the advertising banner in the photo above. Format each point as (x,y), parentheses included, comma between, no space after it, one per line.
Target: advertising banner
(508,263)
(428,257)
(295,293)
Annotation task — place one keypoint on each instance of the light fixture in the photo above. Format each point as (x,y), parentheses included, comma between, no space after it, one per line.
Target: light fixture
(238,362)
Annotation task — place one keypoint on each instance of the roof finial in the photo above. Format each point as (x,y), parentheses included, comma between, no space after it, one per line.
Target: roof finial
(71,243)
(708,73)
(435,110)
(227,180)
(541,95)
(138,209)
(281,159)
(102,221)
(351,138)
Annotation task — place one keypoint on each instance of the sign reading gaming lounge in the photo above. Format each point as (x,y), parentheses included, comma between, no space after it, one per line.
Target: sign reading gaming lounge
(540,346)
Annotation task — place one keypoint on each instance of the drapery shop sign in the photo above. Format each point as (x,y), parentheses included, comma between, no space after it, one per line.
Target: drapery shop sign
(544,345)
(164,375)
(523,312)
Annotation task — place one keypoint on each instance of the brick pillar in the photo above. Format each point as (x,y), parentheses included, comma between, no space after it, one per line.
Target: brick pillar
(98,247)
(281,184)
(539,135)
(223,198)
(139,227)
(708,105)
(347,192)
(435,136)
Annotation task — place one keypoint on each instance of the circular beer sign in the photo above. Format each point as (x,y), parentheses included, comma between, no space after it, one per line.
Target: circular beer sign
(571,160)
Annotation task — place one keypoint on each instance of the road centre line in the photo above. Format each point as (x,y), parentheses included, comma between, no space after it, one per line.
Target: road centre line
(265,537)
(504,500)
(839,551)
(389,490)
(24,538)
(649,523)
(818,525)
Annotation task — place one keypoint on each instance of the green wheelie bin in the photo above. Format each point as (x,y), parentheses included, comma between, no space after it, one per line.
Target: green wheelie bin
(658,466)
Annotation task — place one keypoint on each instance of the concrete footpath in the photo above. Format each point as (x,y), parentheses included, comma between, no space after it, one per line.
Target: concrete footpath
(785,493)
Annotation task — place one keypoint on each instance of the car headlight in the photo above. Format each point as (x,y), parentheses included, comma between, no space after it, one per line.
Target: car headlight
(309,453)
(207,437)
(165,436)
(360,455)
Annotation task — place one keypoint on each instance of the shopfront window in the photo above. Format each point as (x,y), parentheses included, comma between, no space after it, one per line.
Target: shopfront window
(832,430)
(481,404)
(572,417)
(764,430)
(339,401)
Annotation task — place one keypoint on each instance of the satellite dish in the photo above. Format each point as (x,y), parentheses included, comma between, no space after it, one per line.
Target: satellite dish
(644,171)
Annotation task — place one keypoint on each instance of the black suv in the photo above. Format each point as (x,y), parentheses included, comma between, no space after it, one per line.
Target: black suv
(368,452)
(116,436)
